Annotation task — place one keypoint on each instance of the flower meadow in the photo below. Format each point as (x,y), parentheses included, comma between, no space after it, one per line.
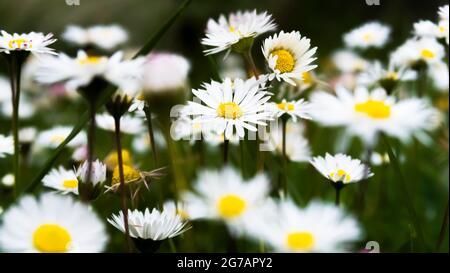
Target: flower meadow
(106,146)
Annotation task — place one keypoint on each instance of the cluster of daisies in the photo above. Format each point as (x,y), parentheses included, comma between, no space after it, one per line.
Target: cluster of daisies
(368,99)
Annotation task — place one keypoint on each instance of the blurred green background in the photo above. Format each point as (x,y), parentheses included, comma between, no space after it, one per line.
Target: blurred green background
(384,216)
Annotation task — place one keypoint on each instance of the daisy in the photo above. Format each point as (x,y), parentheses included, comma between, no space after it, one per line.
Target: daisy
(426,28)
(371,34)
(165,72)
(52,138)
(149,229)
(6,146)
(112,161)
(319,227)
(444,21)
(438,73)
(62,180)
(80,71)
(366,114)
(416,51)
(288,56)
(177,208)
(36,43)
(295,109)
(51,224)
(385,77)
(27,134)
(137,104)
(128,124)
(26,108)
(240,26)
(231,104)
(349,62)
(224,195)
(98,172)
(103,36)
(8,180)
(341,168)
(297,146)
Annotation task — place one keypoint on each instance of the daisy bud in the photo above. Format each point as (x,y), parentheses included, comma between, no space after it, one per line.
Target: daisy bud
(90,191)
(118,105)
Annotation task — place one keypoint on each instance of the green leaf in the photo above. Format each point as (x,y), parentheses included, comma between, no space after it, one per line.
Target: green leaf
(105,95)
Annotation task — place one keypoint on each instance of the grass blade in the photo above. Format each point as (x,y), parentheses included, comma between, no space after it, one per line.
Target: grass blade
(106,94)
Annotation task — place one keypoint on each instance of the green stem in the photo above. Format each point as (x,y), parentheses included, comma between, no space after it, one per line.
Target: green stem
(15,88)
(443,229)
(250,63)
(148,116)
(338,195)
(122,183)
(226,143)
(404,188)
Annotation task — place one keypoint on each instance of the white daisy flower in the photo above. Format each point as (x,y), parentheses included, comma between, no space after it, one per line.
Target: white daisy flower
(78,72)
(231,104)
(36,43)
(426,28)
(103,36)
(349,62)
(155,225)
(341,168)
(176,208)
(128,124)
(6,145)
(295,109)
(443,13)
(27,134)
(224,195)
(62,180)
(371,34)
(171,70)
(377,74)
(98,172)
(378,159)
(53,137)
(8,180)
(288,56)
(413,51)
(319,227)
(438,73)
(51,224)
(137,104)
(297,146)
(227,32)
(366,114)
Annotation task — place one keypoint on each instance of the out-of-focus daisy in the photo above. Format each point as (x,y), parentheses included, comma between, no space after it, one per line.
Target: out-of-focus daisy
(297,146)
(8,180)
(36,43)
(438,73)
(186,128)
(241,26)
(426,28)
(231,104)
(6,145)
(149,229)
(53,137)
(295,109)
(27,134)
(165,71)
(52,224)
(386,78)
(341,168)
(349,62)
(103,36)
(62,180)
(232,67)
(416,51)
(366,114)
(112,161)
(26,108)
(444,21)
(371,34)
(137,104)
(98,172)
(141,142)
(178,208)
(378,159)
(319,227)
(78,72)
(128,124)
(224,195)
(288,56)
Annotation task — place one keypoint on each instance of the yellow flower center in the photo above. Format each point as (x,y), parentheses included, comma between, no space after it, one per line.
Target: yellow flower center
(90,60)
(20,44)
(130,174)
(286,106)
(231,29)
(427,54)
(374,109)
(229,110)
(70,184)
(367,38)
(51,238)
(285,61)
(340,175)
(307,78)
(141,97)
(112,161)
(182,213)
(391,75)
(231,206)
(300,241)
(442,29)
(57,138)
